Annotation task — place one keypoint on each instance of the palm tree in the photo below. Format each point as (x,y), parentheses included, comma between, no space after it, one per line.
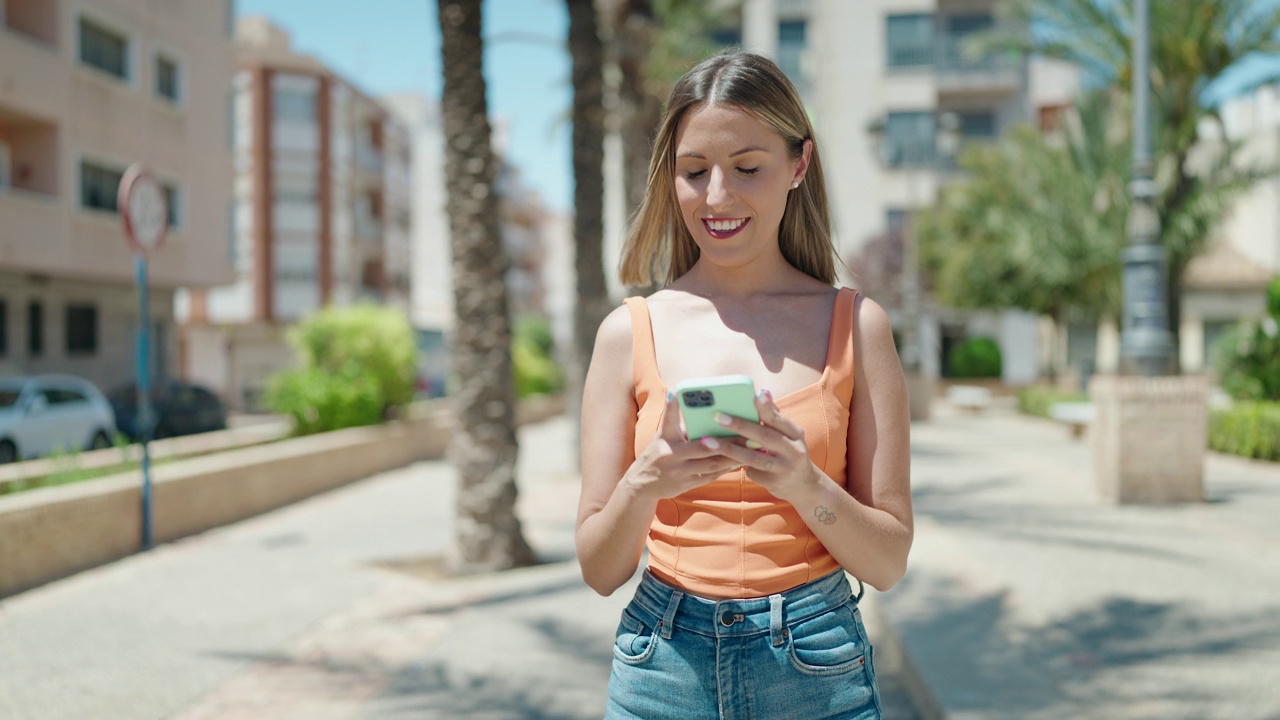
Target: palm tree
(483,446)
(593,302)
(1193,42)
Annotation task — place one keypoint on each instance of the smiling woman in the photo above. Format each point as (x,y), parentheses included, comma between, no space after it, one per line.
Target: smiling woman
(749,535)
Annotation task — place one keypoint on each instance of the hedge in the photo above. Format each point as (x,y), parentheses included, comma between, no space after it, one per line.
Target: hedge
(1251,429)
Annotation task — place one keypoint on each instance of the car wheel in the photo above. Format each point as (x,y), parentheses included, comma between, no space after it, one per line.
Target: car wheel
(8,452)
(100,441)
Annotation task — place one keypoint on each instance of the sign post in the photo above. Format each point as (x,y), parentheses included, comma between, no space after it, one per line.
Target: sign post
(145,213)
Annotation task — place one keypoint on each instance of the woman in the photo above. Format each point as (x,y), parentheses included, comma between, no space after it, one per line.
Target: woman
(745,609)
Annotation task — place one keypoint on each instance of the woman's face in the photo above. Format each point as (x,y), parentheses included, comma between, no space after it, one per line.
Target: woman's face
(733,174)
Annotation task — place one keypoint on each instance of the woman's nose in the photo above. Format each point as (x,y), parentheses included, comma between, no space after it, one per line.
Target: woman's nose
(718,194)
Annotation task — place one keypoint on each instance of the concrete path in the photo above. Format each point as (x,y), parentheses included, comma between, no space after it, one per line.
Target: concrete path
(331,608)
(1026,598)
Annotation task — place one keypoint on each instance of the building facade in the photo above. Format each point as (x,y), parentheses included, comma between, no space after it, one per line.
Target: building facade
(87,89)
(321,213)
(908,67)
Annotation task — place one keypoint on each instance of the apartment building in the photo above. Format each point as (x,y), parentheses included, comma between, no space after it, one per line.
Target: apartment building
(86,89)
(320,214)
(538,246)
(903,64)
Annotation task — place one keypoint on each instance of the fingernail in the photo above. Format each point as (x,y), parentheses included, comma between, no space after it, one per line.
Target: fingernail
(710,443)
(765,394)
(723,419)
(670,395)
(752,444)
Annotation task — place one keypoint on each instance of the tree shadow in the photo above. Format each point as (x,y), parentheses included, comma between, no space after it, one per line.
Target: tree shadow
(1084,527)
(1120,657)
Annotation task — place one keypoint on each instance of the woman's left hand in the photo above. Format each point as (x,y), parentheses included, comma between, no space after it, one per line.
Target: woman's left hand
(774,454)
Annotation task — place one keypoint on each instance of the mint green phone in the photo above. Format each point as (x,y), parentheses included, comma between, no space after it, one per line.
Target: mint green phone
(701,398)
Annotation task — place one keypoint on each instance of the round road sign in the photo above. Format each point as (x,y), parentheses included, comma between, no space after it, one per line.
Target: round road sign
(143,208)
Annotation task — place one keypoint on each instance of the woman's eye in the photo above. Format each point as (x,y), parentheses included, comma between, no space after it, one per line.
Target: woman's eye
(749,171)
(695,174)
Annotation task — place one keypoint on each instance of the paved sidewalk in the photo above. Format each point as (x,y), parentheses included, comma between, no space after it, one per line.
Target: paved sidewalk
(328,609)
(1027,598)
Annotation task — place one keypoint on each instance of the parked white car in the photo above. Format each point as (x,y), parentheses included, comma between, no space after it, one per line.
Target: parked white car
(45,413)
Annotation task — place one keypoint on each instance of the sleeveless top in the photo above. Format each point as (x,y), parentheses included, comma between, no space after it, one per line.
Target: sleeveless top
(730,538)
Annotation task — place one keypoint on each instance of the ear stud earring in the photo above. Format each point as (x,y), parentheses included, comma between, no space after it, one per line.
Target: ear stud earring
(795,184)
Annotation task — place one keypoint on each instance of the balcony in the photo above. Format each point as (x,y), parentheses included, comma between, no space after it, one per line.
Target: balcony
(30,154)
(33,77)
(961,69)
(35,19)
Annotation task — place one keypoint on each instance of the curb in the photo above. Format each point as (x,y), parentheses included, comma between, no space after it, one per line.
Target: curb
(891,654)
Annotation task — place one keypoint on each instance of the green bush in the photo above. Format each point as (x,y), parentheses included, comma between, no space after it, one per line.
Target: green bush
(1251,429)
(1037,399)
(977,357)
(532,350)
(1248,357)
(354,365)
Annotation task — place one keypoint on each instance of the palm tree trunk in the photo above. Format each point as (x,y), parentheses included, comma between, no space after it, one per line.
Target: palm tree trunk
(588,194)
(639,108)
(483,447)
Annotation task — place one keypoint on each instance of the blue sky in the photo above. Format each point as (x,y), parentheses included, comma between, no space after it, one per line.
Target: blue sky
(394,45)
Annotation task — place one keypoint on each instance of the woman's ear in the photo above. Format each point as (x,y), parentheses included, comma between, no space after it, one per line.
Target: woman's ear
(802,166)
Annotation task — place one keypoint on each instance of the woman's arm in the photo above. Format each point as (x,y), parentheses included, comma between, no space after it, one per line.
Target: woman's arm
(620,492)
(610,543)
(868,528)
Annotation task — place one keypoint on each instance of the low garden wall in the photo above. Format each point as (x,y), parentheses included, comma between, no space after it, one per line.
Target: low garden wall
(49,533)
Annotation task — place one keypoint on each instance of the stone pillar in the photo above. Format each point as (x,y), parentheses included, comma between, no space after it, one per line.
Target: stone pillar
(1149,438)
(920,391)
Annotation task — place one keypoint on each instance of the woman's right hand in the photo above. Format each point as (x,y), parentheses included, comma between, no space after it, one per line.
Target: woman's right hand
(672,464)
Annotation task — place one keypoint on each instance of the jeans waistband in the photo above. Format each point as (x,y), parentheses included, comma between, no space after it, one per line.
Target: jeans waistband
(741,617)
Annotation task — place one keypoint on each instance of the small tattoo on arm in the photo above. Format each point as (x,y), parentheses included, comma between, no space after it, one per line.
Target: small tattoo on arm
(825,516)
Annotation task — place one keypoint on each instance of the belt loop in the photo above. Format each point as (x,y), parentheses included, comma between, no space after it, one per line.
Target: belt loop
(669,619)
(776,631)
(861,589)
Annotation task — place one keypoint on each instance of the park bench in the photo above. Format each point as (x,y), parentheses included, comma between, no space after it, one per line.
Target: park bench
(1075,415)
(969,398)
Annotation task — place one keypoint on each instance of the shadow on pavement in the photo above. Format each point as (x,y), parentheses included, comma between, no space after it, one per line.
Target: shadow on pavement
(1095,662)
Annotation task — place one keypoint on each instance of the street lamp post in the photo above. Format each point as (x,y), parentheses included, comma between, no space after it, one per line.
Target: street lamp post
(1146,346)
(944,146)
(1150,429)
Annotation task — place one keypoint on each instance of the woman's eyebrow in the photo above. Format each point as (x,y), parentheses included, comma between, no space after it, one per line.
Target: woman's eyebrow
(700,156)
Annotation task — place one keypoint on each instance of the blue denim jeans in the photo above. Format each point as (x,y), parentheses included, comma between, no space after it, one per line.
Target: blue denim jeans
(802,653)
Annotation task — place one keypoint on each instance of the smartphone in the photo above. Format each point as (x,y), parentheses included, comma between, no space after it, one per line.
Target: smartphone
(701,398)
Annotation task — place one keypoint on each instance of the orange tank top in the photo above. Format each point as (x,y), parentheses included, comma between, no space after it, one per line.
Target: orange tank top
(730,537)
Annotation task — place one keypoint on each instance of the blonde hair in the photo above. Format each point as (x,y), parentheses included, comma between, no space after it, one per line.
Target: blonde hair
(659,246)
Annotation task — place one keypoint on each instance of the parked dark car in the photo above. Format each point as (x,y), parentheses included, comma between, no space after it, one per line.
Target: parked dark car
(178,408)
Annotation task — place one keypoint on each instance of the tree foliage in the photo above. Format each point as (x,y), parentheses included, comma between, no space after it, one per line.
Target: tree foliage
(1193,43)
(354,365)
(1039,223)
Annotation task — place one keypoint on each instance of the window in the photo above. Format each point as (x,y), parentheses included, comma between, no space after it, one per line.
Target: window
(977,124)
(167,78)
(63,396)
(4,328)
(909,41)
(35,329)
(104,49)
(6,162)
(910,139)
(959,29)
(791,47)
(99,186)
(173,203)
(82,329)
(294,105)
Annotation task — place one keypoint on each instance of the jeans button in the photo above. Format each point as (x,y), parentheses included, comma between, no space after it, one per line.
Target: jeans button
(726,618)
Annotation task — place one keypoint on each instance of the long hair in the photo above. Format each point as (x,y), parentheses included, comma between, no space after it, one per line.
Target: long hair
(659,246)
